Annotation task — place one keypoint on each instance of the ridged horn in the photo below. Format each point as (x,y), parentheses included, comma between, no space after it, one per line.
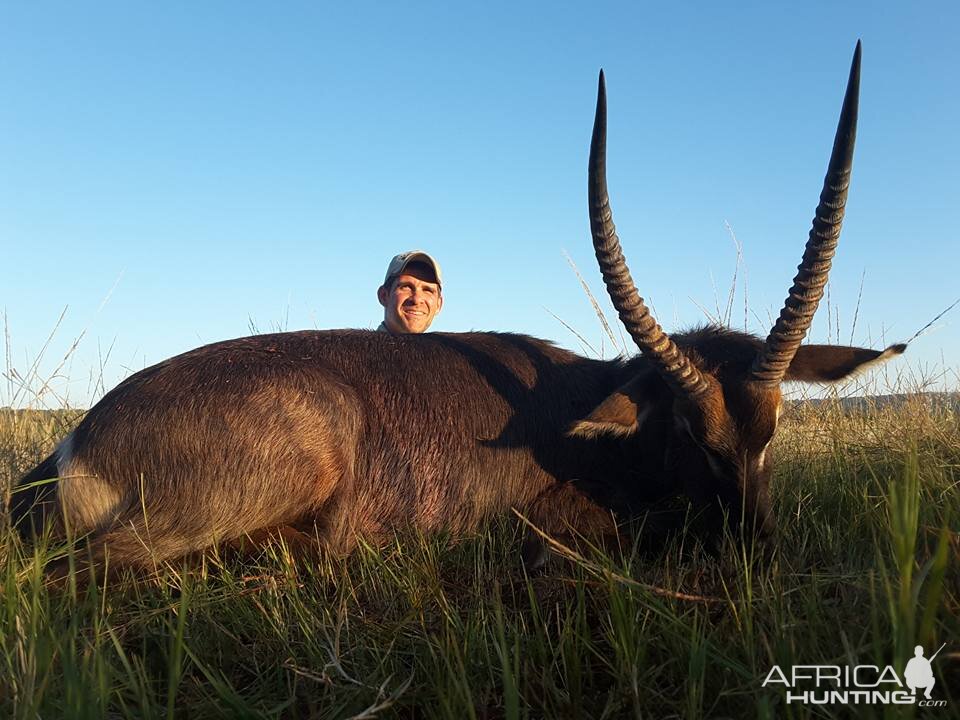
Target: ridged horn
(654,343)
(797,314)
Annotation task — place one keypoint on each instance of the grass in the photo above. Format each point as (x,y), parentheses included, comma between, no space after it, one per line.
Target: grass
(865,568)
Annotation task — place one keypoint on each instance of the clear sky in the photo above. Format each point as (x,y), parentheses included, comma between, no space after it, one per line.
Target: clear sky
(179,173)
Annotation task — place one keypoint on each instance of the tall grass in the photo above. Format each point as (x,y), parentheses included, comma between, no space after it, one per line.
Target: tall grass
(865,567)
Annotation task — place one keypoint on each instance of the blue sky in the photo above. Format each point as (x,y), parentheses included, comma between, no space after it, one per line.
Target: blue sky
(175,174)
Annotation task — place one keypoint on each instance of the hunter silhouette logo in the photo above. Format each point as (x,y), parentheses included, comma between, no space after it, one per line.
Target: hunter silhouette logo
(859,684)
(919,672)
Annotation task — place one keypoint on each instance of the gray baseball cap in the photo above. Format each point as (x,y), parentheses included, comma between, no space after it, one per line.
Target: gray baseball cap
(400,262)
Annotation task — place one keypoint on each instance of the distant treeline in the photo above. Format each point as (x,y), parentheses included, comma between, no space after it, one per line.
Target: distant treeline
(69,415)
(946,401)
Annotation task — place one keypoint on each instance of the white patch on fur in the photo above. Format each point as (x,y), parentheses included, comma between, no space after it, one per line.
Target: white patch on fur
(64,453)
(762,458)
(589,429)
(890,352)
(87,501)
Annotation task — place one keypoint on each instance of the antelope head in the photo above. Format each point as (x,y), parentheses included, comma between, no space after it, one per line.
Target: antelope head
(725,387)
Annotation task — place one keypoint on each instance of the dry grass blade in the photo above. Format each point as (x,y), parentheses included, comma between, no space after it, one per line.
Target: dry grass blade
(8,356)
(716,297)
(728,314)
(596,569)
(25,380)
(584,343)
(99,388)
(321,678)
(856,309)
(706,313)
(383,701)
(926,327)
(596,306)
(56,372)
(830,316)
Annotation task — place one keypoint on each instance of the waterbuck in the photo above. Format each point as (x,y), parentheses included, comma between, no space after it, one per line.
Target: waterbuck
(356,434)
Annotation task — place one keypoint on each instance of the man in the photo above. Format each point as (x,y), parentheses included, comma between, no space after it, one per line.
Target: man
(411,293)
(918,673)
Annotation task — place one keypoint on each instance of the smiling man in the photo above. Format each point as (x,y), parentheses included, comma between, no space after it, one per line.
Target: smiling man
(411,293)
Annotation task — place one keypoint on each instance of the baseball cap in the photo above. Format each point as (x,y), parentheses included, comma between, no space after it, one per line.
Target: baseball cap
(400,262)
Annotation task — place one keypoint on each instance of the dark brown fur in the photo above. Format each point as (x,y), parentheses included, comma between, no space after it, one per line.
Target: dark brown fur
(361,433)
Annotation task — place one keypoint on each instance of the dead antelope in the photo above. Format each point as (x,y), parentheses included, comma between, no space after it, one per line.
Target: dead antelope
(356,433)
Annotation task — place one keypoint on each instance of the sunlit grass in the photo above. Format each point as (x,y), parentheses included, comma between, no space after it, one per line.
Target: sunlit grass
(865,567)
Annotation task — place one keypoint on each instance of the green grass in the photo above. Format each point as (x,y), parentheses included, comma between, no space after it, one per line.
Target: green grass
(865,567)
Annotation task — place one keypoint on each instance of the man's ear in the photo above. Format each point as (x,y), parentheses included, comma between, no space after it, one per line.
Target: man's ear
(620,414)
(440,301)
(830,363)
(382,293)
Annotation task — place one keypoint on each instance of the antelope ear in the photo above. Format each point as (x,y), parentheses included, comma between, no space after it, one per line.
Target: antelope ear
(830,363)
(621,414)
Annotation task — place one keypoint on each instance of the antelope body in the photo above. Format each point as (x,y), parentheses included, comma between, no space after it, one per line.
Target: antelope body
(356,433)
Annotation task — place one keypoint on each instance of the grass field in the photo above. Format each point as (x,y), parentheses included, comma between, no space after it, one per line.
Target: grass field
(865,567)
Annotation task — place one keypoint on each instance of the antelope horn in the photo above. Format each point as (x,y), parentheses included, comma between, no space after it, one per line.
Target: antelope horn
(797,314)
(654,343)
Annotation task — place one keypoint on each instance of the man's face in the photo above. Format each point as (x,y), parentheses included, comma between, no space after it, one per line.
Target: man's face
(411,300)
